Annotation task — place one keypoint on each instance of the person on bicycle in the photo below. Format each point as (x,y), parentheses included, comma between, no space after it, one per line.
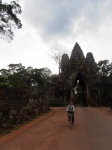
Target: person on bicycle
(70,109)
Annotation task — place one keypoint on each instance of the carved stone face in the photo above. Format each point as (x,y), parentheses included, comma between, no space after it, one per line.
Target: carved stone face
(77,58)
(65,63)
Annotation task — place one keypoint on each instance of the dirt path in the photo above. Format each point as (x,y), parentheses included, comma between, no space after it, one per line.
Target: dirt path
(92,131)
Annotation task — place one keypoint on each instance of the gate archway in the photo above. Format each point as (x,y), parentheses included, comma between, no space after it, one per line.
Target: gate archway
(80,90)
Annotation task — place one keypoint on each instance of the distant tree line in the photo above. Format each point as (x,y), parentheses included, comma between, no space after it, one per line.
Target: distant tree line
(18,75)
(104,69)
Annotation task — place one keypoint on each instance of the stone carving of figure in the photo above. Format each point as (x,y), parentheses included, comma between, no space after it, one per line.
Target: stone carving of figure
(77,59)
(65,63)
(90,64)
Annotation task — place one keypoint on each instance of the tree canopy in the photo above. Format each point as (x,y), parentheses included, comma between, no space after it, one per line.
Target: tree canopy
(19,76)
(9,19)
(104,68)
(56,54)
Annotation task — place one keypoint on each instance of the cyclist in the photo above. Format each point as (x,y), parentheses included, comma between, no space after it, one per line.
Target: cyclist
(70,109)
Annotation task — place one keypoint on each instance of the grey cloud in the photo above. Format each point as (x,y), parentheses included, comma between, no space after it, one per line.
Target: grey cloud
(58,18)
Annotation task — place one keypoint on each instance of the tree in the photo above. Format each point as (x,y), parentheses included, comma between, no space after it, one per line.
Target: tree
(56,54)
(9,19)
(18,76)
(104,68)
(40,76)
(3,81)
(4,75)
(14,68)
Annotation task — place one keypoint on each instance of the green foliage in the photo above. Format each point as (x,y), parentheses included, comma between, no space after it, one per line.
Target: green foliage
(40,76)
(9,19)
(3,82)
(18,76)
(104,68)
(13,80)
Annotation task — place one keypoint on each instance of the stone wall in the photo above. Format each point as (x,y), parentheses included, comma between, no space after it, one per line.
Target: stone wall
(18,105)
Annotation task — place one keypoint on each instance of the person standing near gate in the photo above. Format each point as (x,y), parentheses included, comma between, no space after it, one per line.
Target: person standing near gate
(70,109)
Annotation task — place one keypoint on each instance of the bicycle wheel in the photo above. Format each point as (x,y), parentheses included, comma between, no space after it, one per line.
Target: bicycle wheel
(70,121)
(70,124)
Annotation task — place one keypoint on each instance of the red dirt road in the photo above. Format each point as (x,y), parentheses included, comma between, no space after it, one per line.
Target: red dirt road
(92,131)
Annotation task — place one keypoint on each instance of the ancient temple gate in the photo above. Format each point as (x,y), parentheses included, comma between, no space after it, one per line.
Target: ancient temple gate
(79,81)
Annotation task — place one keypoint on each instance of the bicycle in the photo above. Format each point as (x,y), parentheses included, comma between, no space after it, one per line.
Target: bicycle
(70,115)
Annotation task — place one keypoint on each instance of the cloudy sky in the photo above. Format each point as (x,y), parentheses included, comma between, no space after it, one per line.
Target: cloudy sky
(47,23)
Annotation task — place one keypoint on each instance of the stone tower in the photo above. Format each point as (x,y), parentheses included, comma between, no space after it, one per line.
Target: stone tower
(65,64)
(80,73)
(77,59)
(79,81)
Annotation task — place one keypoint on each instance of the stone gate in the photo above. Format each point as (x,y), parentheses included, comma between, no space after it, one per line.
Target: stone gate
(79,81)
